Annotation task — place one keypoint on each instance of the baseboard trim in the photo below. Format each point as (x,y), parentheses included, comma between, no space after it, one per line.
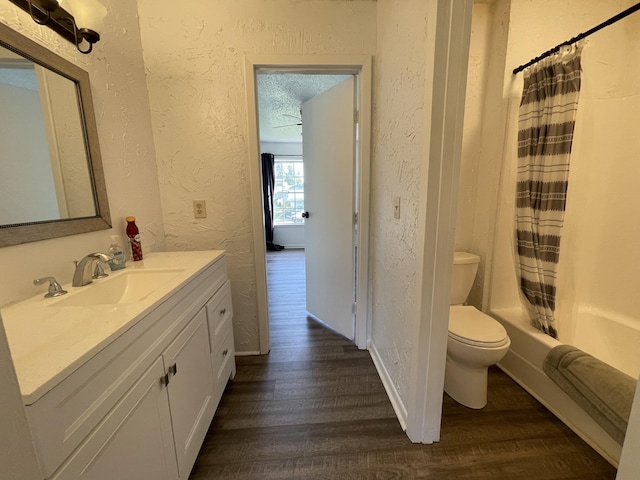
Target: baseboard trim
(247,353)
(392,392)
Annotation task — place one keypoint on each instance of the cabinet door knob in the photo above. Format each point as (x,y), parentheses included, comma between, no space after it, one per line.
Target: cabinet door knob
(226,352)
(164,380)
(223,311)
(173,369)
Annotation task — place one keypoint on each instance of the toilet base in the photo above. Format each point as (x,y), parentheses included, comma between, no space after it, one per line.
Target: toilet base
(466,385)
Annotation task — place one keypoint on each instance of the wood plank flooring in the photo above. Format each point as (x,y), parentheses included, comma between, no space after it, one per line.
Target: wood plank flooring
(314,408)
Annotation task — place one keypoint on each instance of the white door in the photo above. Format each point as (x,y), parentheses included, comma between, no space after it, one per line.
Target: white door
(328,144)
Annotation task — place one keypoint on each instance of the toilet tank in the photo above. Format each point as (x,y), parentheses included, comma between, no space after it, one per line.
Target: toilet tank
(465,267)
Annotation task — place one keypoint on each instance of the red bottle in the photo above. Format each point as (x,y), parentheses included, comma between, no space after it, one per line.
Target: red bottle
(134,238)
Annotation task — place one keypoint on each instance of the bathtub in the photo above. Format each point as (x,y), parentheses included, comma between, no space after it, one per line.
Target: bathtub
(612,340)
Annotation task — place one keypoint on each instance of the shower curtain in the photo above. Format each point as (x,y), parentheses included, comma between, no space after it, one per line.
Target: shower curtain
(545,135)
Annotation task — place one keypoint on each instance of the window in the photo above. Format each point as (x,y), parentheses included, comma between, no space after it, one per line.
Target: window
(288,197)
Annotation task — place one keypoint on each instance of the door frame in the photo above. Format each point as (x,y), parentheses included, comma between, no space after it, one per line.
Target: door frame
(444,108)
(359,65)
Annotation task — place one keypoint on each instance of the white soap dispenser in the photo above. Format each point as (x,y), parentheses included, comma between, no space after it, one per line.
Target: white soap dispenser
(117,253)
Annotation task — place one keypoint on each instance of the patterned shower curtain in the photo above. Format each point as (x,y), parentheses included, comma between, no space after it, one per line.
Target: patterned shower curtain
(545,135)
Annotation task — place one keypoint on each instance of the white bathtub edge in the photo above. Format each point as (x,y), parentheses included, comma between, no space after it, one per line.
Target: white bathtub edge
(537,384)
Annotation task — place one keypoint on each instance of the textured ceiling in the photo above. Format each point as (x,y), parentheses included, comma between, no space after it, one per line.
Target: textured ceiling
(280,97)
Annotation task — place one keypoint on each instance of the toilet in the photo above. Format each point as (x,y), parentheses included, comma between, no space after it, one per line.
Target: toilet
(475,340)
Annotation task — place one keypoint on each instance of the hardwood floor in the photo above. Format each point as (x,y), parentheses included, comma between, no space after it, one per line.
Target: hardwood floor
(314,408)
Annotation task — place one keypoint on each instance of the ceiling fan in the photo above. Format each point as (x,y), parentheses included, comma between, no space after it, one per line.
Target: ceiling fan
(291,124)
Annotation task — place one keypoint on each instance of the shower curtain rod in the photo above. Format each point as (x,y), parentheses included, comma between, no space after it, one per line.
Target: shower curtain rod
(579,37)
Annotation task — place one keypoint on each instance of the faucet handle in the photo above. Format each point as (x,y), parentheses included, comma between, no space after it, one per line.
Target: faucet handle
(99,272)
(55,290)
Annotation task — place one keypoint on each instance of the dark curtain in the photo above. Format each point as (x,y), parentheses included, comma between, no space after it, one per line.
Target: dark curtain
(268,185)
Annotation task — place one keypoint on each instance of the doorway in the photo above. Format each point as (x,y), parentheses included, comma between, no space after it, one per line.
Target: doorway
(313,194)
(360,66)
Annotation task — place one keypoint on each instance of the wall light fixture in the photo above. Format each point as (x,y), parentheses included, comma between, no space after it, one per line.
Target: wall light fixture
(64,16)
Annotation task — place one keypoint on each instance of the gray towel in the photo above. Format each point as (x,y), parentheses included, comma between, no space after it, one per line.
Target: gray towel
(604,392)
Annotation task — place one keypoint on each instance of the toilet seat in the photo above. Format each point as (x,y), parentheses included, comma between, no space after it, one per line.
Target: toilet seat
(470,326)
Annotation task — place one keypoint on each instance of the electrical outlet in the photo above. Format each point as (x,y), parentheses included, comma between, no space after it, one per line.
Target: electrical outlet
(199,209)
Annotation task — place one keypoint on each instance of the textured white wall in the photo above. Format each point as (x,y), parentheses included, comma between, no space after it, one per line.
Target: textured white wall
(483,136)
(398,135)
(122,110)
(473,125)
(195,73)
(493,136)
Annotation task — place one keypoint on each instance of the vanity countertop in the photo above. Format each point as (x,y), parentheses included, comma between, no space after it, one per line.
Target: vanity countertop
(48,341)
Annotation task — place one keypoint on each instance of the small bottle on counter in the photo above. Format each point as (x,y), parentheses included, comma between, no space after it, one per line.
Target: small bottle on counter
(134,239)
(117,253)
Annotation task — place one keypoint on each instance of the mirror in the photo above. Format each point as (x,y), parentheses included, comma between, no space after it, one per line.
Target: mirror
(51,178)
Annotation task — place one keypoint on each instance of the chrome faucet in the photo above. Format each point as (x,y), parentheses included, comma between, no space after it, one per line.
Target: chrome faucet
(84,273)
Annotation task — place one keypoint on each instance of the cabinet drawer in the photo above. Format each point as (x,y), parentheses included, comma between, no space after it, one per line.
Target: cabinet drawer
(219,315)
(224,364)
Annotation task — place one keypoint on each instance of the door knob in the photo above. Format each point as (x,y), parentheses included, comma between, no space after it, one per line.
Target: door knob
(305,214)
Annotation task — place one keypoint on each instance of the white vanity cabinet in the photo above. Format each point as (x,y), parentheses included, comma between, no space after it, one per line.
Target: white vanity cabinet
(141,406)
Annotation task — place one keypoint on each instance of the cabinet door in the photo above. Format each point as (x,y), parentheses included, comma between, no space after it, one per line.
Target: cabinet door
(187,361)
(134,440)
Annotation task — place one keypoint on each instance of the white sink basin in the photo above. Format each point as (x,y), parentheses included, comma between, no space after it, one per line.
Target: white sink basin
(50,338)
(129,286)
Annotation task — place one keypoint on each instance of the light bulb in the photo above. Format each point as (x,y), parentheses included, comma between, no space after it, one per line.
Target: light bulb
(87,13)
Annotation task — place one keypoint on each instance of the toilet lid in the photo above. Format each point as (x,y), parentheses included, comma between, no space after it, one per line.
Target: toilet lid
(469,325)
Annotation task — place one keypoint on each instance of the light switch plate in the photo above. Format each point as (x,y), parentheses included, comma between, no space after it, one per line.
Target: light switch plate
(396,207)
